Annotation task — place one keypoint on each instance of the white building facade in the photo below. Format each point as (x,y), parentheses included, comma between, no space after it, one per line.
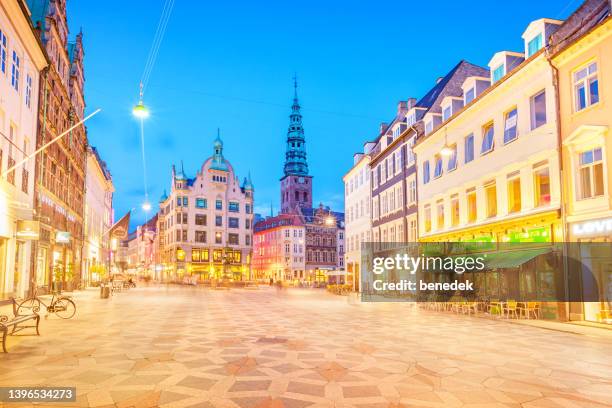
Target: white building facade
(21,59)
(98,218)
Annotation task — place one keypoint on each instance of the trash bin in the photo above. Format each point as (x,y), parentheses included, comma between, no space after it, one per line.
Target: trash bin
(104,292)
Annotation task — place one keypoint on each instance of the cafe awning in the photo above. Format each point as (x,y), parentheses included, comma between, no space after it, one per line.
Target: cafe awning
(513,259)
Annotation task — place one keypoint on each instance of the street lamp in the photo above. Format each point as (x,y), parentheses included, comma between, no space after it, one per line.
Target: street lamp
(146,206)
(446,149)
(140,111)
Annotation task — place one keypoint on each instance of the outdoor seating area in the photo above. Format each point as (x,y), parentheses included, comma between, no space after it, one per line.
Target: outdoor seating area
(340,289)
(509,309)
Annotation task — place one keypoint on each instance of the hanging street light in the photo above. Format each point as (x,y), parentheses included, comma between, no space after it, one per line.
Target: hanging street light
(140,111)
(146,206)
(446,149)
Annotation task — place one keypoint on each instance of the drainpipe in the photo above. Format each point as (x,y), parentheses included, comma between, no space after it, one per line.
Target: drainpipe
(564,229)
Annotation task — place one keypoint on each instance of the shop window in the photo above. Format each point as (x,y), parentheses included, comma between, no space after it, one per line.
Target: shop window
(541,179)
(591,173)
(427,218)
(454,210)
(440,214)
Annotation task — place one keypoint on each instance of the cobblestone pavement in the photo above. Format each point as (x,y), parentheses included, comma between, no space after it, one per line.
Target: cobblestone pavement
(192,347)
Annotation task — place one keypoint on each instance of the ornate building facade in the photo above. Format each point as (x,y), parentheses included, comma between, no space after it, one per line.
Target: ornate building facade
(21,59)
(60,169)
(206,223)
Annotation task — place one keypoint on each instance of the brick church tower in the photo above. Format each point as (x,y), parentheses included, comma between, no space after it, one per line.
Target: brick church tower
(296,184)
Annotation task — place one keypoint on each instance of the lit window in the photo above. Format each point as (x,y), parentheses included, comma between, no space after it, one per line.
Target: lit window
(586,86)
(487,138)
(427,217)
(471,205)
(591,173)
(541,179)
(438,166)
(491,198)
(510,126)
(454,210)
(469,148)
(440,214)
(498,73)
(514,193)
(538,110)
(534,45)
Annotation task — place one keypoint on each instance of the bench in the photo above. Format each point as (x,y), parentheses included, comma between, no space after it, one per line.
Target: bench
(15,323)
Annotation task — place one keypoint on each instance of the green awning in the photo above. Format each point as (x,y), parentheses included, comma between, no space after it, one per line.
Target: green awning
(513,259)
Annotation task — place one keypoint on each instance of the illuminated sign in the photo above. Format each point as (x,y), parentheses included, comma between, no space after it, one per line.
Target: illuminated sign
(62,237)
(593,227)
(28,230)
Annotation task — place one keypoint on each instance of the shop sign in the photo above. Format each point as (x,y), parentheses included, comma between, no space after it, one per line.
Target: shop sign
(62,237)
(539,234)
(28,230)
(593,227)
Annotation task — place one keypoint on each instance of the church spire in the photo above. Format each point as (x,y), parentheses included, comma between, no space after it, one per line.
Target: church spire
(295,155)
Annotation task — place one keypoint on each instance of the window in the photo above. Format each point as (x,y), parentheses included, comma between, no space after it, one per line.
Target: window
(201,203)
(412,196)
(200,219)
(591,173)
(454,210)
(471,205)
(446,113)
(232,239)
(218,221)
(15,71)
(541,180)
(514,192)
(470,94)
(247,208)
(200,236)
(185,218)
(438,166)
(440,214)
(28,91)
(498,73)
(491,198)
(469,148)
(184,235)
(179,201)
(2,52)
(233,206)
(427,217)
(452,159)
(428,127)
(233,222)
(487,138)
(586,86)
(510,125)
(219,204)
(534,45)
(218,238)
(538,110)
(185,202)
(426,172)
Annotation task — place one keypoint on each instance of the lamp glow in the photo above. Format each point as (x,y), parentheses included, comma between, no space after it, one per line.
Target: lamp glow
(446,151)
(146,206)
(140,111)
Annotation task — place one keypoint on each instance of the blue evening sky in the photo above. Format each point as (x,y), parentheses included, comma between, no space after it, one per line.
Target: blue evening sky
(229,64)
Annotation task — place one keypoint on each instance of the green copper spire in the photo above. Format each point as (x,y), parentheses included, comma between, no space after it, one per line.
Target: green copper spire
(295,156)
(218,161)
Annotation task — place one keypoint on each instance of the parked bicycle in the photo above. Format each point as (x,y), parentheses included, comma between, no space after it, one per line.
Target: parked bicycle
(63,306)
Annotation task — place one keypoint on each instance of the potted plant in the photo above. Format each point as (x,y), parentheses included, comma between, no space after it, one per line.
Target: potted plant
(58,276)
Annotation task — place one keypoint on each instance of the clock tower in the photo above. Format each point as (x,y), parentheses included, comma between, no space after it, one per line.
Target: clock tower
(296,184)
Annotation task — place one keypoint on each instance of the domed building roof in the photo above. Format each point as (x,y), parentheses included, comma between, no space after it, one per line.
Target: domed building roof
(163,197)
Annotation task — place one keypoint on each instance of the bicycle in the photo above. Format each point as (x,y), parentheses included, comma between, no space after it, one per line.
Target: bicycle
(62,306)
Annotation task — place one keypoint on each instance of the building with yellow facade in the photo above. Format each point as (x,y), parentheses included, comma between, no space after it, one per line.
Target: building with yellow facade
(581,56)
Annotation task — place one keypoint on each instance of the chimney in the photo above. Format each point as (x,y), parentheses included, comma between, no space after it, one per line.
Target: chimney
(411,103)
(383,127)
(402,107)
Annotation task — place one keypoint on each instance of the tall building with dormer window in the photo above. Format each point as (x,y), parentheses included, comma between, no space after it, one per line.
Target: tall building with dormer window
(206,223)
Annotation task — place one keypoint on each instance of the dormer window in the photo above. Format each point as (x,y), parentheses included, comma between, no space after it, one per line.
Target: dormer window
(498,73)
(534,45)
(446,113)
(428,126)
(469,95)
(411,119)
